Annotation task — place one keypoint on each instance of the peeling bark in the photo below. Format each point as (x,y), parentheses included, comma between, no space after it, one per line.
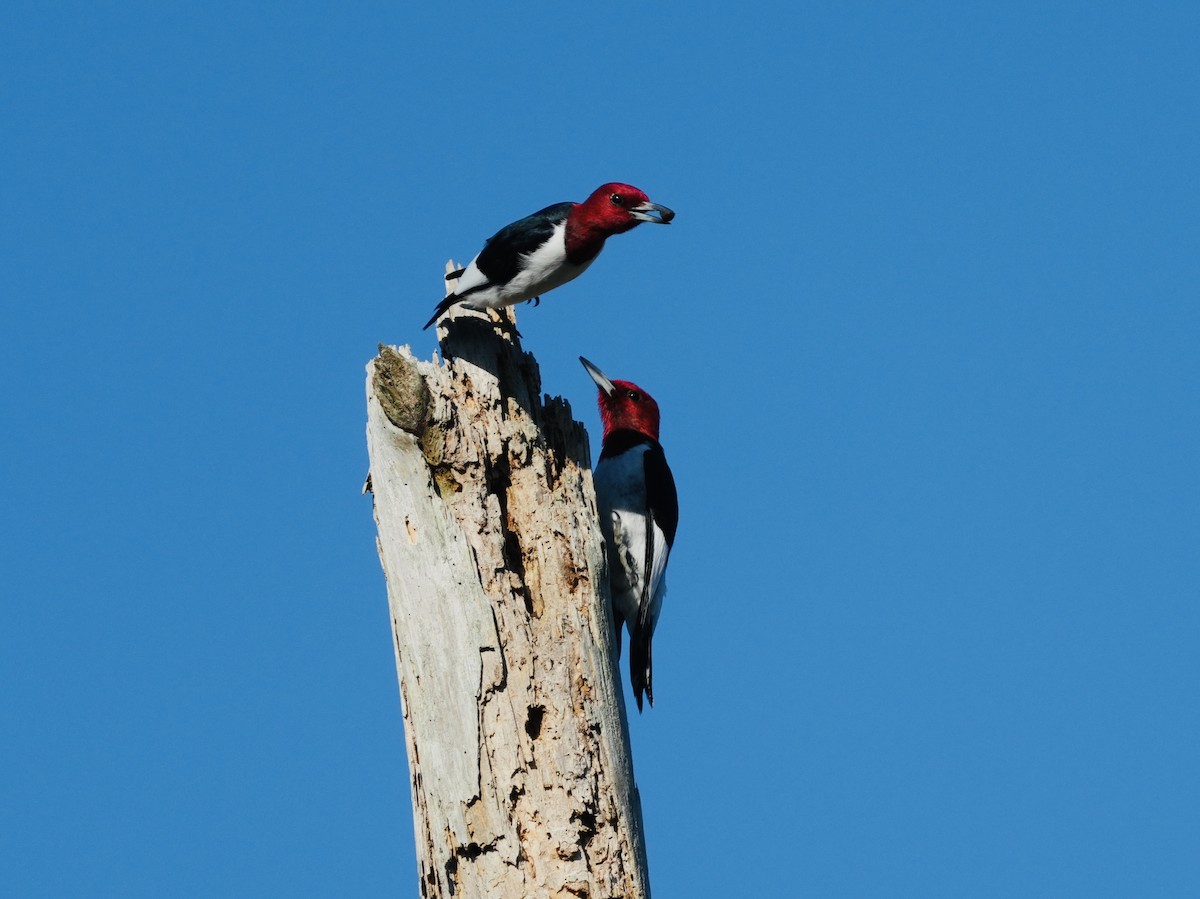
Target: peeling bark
(514,716)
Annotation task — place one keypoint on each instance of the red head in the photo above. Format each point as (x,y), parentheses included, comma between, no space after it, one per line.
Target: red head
(623,405)
(611,209)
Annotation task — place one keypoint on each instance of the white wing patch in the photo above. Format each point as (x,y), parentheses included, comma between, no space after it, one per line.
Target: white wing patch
(658,572)
(470,278)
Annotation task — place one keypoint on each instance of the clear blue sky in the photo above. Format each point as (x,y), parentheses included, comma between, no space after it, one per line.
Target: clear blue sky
(926,337)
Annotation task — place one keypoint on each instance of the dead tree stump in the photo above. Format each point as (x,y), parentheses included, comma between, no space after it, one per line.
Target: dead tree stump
(514,715)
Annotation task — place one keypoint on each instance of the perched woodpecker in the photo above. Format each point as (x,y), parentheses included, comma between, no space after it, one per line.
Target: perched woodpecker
(639,511)
(549,248)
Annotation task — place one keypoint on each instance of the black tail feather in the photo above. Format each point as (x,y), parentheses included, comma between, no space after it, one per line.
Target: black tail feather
(639,666)
(440,310)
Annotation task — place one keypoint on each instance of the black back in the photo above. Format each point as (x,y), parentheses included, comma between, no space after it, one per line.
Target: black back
(501,256)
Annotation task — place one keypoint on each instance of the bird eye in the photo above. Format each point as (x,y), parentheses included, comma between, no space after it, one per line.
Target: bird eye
(617,200)
(634,395)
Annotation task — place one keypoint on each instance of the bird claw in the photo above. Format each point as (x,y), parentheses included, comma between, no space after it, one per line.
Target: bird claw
(537,301)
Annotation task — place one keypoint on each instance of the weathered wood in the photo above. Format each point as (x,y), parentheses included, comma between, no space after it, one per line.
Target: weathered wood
(518,745)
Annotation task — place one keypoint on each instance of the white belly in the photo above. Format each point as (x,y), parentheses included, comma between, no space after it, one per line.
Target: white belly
(542,270)
(621,500)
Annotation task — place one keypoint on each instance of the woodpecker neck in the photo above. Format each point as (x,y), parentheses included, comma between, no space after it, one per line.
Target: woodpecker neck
(586,231)
(623,440)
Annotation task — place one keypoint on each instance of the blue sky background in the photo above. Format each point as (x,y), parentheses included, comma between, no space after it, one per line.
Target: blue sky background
(926,337)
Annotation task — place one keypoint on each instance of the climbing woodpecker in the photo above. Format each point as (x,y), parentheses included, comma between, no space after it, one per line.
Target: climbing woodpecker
(549,248)
(639,511)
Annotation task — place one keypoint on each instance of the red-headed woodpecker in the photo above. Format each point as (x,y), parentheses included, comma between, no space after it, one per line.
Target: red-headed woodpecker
(639,511)
(549,248)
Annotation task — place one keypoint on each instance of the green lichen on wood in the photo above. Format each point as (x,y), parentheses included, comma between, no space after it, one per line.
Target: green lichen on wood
(433,444)
(402,391)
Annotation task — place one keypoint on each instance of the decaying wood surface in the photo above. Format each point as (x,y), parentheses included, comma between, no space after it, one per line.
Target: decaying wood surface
(518,745)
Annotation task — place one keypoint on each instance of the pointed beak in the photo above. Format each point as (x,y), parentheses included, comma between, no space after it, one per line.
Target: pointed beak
(598,376)
(642,212)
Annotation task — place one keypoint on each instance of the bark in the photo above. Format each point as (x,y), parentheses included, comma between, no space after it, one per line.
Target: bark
(514,715)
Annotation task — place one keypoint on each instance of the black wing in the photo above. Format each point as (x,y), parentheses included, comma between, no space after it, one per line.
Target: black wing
(661,498)
(662,505)
(501,255)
